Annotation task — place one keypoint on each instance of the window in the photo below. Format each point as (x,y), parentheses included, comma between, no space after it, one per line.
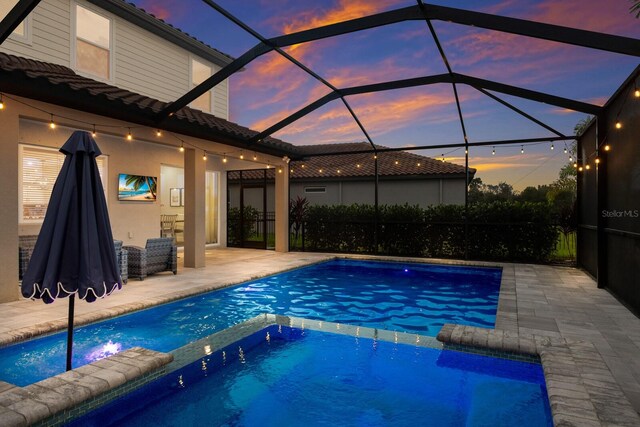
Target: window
(199,73)
(93,43)
(22,31)
(40,168)
(315,189)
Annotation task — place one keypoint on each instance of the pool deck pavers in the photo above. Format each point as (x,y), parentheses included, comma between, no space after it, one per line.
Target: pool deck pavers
(559,303)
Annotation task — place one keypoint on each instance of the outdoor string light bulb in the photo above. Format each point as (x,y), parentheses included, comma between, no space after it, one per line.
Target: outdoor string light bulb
(158,133)
(255,157)
(1,103)
(129,136)
(241,155)
(522,149)
(565,150)
(575,165)
(570,158)
(580,169)
(358,165)
(93,134)
(618,124)
(607,147)
(182,147)
(52,124)
(224,159)
(552,147)
(493,152)
(636,93)
(587,167)
(204,156)
(419,164)
(396,162)
(443,157)
(597,160)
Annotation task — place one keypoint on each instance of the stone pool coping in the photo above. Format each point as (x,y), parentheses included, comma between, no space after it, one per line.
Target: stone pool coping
(52,400)
(582,391)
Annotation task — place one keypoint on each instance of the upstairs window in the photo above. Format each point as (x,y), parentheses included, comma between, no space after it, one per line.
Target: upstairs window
(199,73)
(40,167)
(21,33)
(93,43)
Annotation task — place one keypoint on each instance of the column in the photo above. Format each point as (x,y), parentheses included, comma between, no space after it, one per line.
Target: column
(9,170)
(282,208)
(194,208)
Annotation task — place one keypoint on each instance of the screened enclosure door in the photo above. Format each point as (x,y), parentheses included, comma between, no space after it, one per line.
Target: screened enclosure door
(253,201)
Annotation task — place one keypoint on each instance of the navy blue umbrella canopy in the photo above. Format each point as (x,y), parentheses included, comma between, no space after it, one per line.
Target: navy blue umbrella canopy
(74,253)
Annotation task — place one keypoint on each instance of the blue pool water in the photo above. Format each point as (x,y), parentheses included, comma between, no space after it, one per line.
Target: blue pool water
(311,378)
(403,297)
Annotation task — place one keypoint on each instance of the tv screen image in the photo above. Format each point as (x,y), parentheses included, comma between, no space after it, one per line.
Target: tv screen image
(137,188)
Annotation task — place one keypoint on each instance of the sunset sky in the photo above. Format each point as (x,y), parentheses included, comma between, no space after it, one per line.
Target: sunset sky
(271,88)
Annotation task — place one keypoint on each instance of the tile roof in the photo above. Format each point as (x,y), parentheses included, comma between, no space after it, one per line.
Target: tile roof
(112,99)
(390,164)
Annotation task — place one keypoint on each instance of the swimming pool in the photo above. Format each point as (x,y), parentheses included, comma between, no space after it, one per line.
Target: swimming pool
(282,376)
(405,297)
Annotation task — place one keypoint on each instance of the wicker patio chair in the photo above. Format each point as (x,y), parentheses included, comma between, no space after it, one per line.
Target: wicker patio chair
(25,249)
(27,243)
(160,254)
(122,257)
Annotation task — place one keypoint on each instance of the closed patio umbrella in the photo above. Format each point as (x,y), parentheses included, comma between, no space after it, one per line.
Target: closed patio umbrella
(74,253)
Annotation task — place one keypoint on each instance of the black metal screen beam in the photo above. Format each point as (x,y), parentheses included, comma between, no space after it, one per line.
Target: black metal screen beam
(226,72)
(558,101)
(519,111)
(15,16)
(367,22)
(293,60)
(514,142)
(428,80)
(556,33)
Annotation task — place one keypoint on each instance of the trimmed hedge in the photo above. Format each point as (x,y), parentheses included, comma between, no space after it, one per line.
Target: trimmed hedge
(505,230)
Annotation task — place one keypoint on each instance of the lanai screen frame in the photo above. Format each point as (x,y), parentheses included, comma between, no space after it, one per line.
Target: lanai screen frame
(420,12)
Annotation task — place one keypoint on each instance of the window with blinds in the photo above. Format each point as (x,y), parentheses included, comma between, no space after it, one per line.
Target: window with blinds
(40,168)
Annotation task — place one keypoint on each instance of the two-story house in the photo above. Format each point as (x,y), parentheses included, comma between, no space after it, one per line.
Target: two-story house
(108,67)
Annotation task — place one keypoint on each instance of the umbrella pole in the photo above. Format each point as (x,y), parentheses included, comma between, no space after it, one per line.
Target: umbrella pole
(72,299)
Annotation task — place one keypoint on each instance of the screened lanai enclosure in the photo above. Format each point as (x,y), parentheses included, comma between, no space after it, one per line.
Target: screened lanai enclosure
(412,192)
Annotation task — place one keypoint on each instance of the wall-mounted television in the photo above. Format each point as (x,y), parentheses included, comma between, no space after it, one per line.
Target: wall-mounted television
(137,188)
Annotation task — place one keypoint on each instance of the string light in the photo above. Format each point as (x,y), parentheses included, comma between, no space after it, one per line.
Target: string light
(466,151)
(338,170)
(493,152)
(129,136)
(1,103)
(224,159)
(419,164)
(255,157)
(241,155)
(636,92)
(597,160)
(93,134)
(607,147)
(552,147)
(182,146)
(358,165)
(280,171)
(320,170)
(587,167)
(571,158)
(618,124)
(443,157)
(521,149)
(575,165)
(158,133)
(52,124)
(396,162)
(302,166)
(204,156)
(565,150)
(375,156)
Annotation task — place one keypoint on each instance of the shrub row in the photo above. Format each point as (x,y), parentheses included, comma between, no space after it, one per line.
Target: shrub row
(506,230)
